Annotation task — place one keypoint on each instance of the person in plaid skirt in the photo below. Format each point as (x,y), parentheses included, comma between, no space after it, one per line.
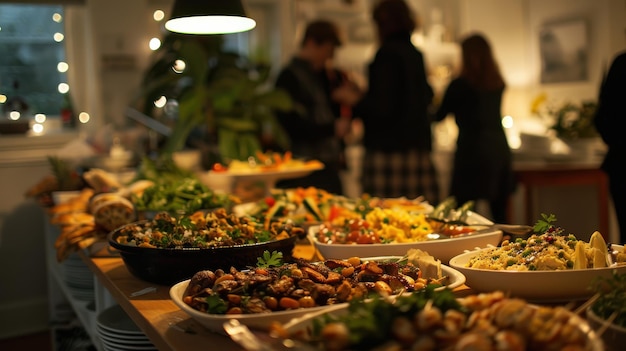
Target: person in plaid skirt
(397,128)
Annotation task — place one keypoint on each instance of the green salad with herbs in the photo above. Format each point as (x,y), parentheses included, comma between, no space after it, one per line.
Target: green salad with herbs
(216,228)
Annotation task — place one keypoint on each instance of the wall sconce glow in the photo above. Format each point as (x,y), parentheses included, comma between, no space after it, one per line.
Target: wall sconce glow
(14,115)
(160,102)
(58,37)
(158,15)
(37,128)
(3,99)
(57,17)
(507,122)
(179,66)
(62,67)
(154,44)
(40,118)
(83,117)
(63,88)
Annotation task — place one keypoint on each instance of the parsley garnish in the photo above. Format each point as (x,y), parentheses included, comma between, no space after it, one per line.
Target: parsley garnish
(215,304)
(268,260)
(544,224)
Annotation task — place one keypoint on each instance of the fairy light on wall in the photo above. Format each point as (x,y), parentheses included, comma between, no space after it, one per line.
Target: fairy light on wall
(40,118)
(158,15)
(83,117)
(179,66)
(63,88)
(62,67)
(37,128)
(160,102)
(155,44)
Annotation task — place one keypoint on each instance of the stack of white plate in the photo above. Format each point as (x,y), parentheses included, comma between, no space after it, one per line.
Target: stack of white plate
(118,332)
(78,278)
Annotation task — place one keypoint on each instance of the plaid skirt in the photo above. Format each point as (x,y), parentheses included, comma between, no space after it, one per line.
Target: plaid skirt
(396,174)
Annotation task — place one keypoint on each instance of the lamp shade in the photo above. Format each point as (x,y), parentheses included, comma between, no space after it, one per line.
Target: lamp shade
(209,17)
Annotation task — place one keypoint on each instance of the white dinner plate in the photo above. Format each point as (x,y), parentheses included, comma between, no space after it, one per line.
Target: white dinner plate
(115,320)
(442,249)
(261,321)
(536,286)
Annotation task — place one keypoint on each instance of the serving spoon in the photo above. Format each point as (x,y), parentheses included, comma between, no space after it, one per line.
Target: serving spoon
(517,230)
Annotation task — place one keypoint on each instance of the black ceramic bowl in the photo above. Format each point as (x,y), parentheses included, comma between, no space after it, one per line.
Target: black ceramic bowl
(169,266)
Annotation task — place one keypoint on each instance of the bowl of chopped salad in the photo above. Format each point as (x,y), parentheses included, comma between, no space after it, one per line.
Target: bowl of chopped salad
(394,231)
(168,249)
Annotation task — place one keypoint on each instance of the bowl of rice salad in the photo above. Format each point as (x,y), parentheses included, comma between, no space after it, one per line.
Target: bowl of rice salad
(393,232)
(551,266)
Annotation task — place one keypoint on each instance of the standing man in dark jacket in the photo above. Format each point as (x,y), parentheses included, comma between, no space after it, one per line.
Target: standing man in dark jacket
(315,126)
(610,121)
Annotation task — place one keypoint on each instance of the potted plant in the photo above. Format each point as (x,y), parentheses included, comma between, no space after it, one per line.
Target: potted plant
(227,96)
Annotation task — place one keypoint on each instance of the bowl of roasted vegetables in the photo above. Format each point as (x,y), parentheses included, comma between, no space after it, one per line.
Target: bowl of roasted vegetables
(168,249)
(275,291)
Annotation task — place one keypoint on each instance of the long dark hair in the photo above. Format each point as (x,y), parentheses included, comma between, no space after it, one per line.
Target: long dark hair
(479,66)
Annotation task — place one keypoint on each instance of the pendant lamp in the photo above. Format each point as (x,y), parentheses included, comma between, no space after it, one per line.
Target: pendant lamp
(209,17)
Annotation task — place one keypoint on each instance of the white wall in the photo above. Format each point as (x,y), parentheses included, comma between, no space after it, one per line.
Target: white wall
(513,26)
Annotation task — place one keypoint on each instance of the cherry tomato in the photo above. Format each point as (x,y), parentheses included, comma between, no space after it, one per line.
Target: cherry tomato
(270,201)
(335,211)
(218,167)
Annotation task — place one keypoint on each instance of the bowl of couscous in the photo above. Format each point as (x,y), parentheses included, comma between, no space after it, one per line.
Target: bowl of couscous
(543,268)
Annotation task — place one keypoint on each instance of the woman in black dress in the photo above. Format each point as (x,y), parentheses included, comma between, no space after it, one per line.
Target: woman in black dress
(482,168)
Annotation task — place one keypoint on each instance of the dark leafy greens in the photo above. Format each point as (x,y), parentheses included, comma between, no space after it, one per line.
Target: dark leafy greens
(612,298)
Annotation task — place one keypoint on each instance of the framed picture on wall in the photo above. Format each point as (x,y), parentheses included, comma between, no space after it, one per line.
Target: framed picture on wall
(564,51)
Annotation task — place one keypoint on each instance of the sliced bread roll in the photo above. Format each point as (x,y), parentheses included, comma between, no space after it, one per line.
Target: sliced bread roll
(112,214)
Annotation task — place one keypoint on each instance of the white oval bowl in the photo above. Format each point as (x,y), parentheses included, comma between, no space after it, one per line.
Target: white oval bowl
(537,286)
(261,321)
(442,249)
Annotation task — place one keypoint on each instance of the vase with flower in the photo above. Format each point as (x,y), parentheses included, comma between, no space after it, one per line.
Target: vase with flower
(572,123)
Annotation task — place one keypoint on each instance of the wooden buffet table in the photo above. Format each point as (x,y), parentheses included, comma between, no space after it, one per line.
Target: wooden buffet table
(163,322)
(155,313)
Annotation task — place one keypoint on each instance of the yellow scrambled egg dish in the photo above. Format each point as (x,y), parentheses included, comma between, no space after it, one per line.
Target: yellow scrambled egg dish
(397,225)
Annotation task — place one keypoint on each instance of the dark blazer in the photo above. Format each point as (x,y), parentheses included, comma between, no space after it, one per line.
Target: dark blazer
(394,109)
(610,119)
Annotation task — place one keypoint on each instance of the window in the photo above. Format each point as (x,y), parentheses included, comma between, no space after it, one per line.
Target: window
(32,64)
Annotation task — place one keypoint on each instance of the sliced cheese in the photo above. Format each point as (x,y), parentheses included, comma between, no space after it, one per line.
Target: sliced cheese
(428,265)
(580,256)
(597,242)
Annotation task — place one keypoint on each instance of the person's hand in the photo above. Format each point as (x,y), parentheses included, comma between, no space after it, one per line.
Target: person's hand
(347,93)
(342,126)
